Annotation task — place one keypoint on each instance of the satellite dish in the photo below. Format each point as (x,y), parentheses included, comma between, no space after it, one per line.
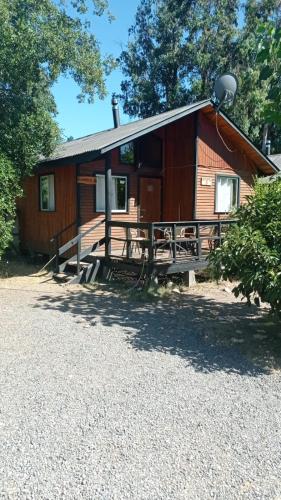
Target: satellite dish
(225,89)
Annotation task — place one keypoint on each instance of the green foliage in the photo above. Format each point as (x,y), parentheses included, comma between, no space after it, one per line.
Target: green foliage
(270,55)
(41,40)
(8,193)
(176,50)
(251,251)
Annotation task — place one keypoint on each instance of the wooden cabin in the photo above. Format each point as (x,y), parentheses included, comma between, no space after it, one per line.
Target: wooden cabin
(189,165)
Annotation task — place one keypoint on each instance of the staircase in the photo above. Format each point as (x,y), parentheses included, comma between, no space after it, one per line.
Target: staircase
(82,267)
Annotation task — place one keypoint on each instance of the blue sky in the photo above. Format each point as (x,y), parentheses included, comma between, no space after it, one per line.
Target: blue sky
(81,119)
(76,119)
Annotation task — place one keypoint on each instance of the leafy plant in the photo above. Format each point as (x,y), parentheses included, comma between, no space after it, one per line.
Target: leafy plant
(41,40)
(251,251)
(8,193)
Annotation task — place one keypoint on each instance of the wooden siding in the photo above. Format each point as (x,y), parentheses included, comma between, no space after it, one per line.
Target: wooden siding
(213,159)
(88,213)
(37,227)
(179,170)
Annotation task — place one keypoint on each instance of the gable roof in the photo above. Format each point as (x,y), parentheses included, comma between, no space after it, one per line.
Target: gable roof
(93,146)
(104,141)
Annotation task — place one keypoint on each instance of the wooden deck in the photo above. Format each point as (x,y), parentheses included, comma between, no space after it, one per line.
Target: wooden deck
(162,247)
(138,262)
(147,249)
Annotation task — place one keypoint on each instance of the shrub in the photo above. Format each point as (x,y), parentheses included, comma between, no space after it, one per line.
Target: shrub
(251,251)
(9,190)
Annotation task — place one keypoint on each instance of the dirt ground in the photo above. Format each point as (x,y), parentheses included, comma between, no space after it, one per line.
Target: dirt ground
(230,322)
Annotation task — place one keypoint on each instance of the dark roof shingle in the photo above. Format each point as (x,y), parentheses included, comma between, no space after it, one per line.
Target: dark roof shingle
(103,141)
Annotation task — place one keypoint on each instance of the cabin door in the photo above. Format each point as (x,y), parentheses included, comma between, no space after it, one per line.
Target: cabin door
(150,199)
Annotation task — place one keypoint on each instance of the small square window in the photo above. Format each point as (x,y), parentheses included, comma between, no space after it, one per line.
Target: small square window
(127,153)
(47,193)
(119,193)
(227,193)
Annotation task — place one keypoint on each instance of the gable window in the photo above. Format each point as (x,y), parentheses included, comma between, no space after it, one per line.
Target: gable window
(47,193)
(127,153)
(227,193)
(119,193)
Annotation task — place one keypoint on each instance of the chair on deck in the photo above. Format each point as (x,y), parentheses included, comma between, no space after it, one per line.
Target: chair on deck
(138,238)
(166,241)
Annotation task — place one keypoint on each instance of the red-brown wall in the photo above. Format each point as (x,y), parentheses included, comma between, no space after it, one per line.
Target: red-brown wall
(214,158)
(37,227)
(88,199)
(179,169)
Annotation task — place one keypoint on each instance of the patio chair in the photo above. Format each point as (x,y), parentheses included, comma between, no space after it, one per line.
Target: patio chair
(138,239)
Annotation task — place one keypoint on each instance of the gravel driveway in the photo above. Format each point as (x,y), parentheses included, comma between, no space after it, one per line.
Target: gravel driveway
(108,399)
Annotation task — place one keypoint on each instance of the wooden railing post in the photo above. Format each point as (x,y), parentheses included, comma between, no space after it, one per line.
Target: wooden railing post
(150,243)
(108,203)
(78,256)
(174,244)
(128,243)
(198,242)
(57,262)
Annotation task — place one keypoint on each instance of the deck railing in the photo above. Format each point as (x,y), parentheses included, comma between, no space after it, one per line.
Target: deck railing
(170,241)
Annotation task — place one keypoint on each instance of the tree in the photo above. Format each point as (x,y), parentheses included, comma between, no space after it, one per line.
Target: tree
(270,55)
(8,193)
(251,251)
(39,42)
(249,110)
(176,50)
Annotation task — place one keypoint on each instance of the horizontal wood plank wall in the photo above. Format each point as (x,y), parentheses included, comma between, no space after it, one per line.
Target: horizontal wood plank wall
(213,159)
(179,170)
(37,227)
(89,216)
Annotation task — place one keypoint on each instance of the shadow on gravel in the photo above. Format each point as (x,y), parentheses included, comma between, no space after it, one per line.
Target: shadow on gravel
(208,334)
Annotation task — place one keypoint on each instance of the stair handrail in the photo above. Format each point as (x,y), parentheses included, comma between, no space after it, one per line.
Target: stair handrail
(56,236)
(78,238)
(73,241)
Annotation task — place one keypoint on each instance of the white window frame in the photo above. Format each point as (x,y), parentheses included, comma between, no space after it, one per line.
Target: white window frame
(120,211)
(51,193)
(236,205)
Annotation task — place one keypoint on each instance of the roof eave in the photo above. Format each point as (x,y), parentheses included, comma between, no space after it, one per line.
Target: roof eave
(248,140)
(65,160)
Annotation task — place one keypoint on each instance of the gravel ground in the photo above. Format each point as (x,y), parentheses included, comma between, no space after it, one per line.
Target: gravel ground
(103,398)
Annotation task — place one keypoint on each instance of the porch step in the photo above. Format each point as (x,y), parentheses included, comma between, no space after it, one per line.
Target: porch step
(73,265)
(87,274)
(62,277)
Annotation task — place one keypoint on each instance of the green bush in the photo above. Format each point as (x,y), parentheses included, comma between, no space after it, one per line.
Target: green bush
(251,251)
(9,190)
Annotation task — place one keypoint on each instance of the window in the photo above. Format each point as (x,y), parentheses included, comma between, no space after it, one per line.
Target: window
(127,153)
(119,193)
(150,151)
(227,190)
(47,193)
